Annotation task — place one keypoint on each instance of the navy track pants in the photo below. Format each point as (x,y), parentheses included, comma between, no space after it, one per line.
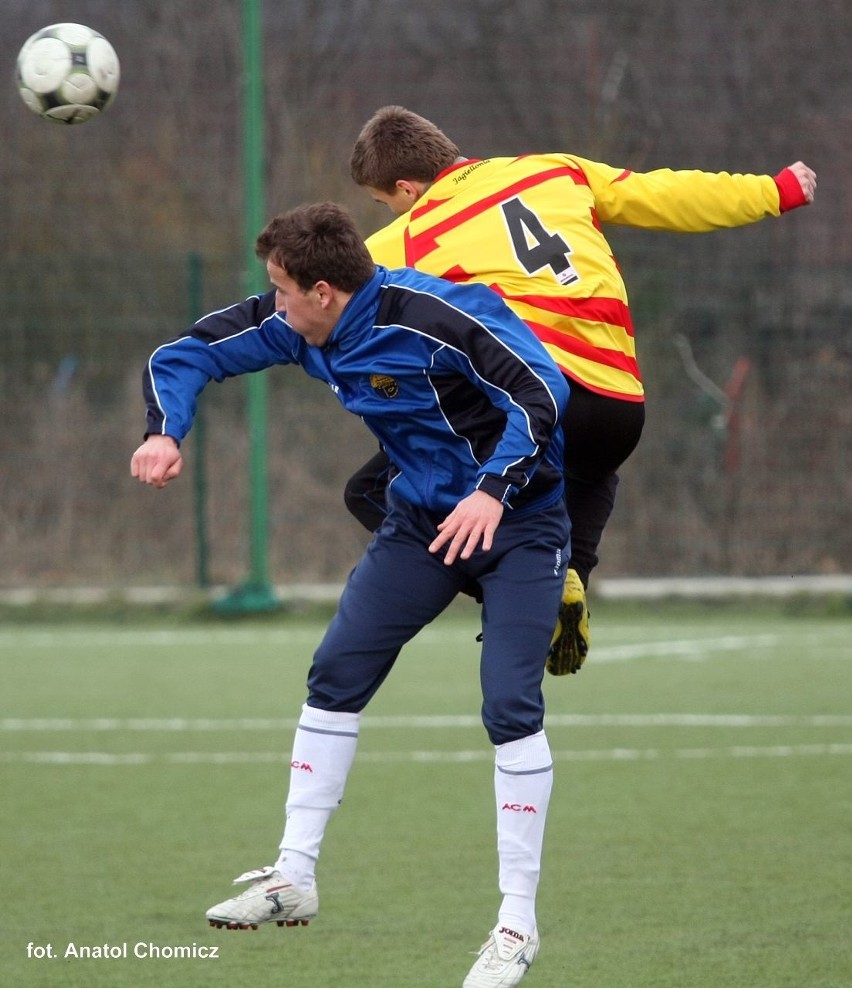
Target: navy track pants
(398,587)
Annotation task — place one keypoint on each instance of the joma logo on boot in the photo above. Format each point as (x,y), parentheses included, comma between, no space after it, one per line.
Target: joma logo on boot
(274,898)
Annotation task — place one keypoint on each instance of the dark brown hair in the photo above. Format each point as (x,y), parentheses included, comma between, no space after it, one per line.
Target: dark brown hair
(319,242)
(398,144)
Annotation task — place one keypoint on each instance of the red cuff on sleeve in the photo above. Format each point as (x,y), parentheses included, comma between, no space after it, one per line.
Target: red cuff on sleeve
(790,192)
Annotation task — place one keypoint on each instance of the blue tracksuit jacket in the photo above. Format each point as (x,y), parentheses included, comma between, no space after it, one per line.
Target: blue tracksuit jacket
(450,381)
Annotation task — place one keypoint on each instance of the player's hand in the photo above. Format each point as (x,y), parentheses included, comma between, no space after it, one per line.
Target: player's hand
(157,461)
(807,179)
(473,521)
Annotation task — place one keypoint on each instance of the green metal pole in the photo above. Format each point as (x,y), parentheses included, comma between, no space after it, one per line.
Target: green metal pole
(256,593)
(194,275)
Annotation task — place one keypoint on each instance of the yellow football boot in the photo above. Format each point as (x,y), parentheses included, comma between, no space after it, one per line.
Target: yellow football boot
(570,643)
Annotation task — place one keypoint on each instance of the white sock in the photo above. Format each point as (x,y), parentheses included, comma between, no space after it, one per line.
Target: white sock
(523,779)
(323,751)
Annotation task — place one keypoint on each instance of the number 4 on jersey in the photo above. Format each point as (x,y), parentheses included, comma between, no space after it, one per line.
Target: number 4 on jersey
(535,248)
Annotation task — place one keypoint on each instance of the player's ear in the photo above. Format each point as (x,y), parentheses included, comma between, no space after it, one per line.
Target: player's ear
(409,189)
(325,293)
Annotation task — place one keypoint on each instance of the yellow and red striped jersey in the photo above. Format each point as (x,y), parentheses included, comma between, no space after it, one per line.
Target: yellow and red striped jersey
(530,228)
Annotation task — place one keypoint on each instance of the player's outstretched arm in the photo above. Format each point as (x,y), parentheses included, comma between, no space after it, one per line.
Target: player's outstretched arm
(157,461)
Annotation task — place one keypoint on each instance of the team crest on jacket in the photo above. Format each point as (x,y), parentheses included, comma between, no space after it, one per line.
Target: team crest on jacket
(385,385)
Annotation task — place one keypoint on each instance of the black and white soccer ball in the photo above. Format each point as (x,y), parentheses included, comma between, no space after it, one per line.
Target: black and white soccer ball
(67,73)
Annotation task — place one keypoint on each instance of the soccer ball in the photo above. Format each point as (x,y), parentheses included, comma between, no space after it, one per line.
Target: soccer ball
(67,73)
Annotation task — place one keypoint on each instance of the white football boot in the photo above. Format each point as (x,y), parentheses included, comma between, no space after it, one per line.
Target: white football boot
(503,960)
(269,897)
